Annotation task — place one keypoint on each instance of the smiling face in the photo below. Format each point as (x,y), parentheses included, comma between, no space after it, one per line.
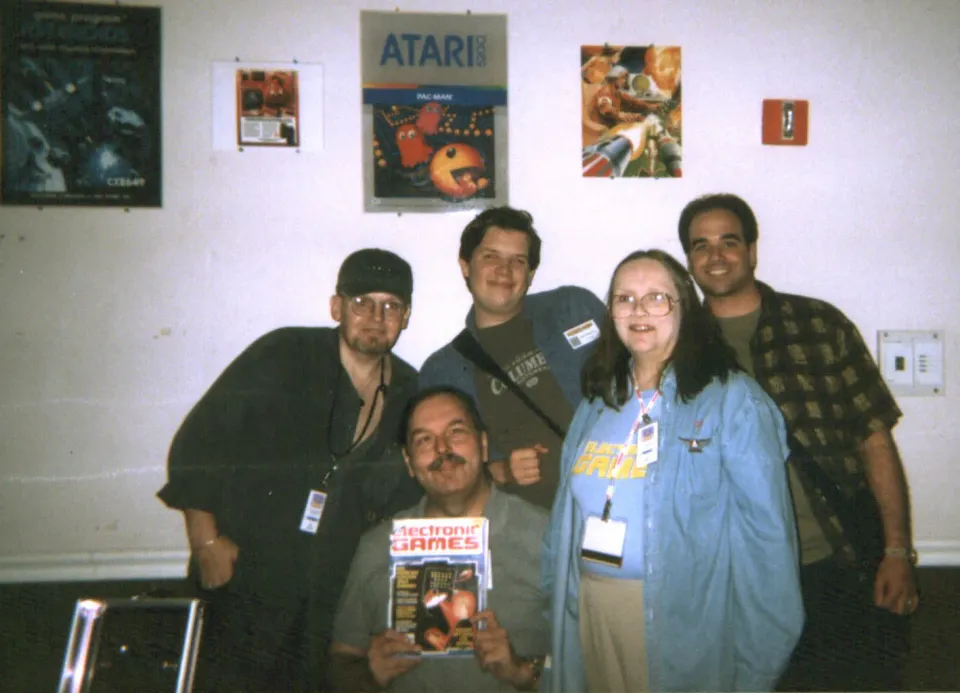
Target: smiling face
(498,275)
(445,452)
(650,339)
(720,260)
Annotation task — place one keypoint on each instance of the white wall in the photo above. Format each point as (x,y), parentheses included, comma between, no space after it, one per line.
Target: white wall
(114,323)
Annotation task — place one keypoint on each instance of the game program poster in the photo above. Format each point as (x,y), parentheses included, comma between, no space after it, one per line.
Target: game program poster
(631,111)
(434,111)
(81,104)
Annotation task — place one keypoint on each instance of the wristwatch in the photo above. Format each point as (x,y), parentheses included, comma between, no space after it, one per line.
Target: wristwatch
(536,670)
(901,552)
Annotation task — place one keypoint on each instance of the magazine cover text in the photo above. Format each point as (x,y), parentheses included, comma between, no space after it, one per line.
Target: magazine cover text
(438,581)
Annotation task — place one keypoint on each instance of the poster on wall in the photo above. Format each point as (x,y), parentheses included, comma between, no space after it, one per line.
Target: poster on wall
(631,111)
(267,105)
(434,111)
(80,95)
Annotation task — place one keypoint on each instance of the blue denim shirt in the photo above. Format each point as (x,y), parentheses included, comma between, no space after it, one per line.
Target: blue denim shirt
(722,604)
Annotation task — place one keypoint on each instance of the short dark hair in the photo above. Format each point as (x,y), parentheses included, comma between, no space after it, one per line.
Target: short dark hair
(506,218)
(707,203)
(466,401)
(699,356)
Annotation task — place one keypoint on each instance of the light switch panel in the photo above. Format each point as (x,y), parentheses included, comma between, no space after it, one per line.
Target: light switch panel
(911,361)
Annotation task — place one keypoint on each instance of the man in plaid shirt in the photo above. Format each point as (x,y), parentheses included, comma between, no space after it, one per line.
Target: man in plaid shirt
(813,362)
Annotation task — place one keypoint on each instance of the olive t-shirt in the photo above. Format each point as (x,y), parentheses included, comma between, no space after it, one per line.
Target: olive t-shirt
(511,423)
(814,545)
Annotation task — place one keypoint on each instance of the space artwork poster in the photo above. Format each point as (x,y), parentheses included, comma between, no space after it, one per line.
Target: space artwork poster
(631,111)
(434,111)
(80,95)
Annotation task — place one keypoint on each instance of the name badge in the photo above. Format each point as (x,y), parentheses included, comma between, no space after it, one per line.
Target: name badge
(647,445)
(603,541)
(313,512)
(582,334)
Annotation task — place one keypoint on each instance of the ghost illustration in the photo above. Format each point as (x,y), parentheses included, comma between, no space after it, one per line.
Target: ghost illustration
(429,119)
(414,151)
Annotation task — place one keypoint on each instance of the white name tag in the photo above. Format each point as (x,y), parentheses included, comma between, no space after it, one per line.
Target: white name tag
(647,445)
(313,512)
(603,541)
(582,334)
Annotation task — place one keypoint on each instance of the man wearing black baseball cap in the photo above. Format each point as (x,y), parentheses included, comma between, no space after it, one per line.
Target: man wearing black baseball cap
(289,456)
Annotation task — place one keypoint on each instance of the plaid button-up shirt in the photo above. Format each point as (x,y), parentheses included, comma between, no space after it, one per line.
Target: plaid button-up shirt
(812,361)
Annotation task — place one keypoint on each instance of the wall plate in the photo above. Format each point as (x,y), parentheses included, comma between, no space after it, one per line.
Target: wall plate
(911,361)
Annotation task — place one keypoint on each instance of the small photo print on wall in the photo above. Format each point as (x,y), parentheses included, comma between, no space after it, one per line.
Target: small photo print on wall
(631,111)
(268,107)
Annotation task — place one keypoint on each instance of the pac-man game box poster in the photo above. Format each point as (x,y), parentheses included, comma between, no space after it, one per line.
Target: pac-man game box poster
(434,111)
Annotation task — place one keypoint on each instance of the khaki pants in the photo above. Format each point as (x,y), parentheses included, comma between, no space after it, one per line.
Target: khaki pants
(611,634)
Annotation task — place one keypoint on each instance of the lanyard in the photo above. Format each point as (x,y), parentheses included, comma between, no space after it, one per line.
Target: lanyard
(643,419)
(337,456)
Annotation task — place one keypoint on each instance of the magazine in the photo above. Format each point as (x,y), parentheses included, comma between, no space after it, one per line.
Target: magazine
(439,575)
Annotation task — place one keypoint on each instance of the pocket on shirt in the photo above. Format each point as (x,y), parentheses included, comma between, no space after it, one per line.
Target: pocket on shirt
(700,463)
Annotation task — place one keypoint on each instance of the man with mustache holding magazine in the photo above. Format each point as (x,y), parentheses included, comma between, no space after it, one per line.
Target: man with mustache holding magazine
(445,448)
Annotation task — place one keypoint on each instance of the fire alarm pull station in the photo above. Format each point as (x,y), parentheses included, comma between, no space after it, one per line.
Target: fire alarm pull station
(785,121)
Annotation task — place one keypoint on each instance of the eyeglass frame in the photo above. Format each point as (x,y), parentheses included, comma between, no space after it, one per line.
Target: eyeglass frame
(358,302)
(636,302)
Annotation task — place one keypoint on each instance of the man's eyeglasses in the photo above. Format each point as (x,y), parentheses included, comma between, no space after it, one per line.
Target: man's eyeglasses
(366,307)
(656,304)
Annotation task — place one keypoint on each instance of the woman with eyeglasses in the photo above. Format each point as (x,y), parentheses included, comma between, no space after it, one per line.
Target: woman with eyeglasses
(671,556)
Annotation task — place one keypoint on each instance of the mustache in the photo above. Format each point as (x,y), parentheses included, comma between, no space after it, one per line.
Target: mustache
(446,457)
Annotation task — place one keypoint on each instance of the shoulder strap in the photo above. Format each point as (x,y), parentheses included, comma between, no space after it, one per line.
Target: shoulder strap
(468,347)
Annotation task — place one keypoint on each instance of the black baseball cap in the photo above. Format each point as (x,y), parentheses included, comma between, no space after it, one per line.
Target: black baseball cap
(372,269)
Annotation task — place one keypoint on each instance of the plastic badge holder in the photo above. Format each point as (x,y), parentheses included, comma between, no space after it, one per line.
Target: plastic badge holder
(129,645)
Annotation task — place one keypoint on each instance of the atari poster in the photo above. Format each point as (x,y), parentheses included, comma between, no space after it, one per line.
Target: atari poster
(80,95)
(434,111)
(631,111)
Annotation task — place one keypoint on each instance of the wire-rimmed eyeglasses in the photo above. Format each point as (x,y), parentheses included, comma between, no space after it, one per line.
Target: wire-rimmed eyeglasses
(656,304)
(366,307)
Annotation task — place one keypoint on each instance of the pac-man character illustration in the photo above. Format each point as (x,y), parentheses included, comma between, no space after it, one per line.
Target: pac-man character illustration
(457,170)
(414,151)
(428,119)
